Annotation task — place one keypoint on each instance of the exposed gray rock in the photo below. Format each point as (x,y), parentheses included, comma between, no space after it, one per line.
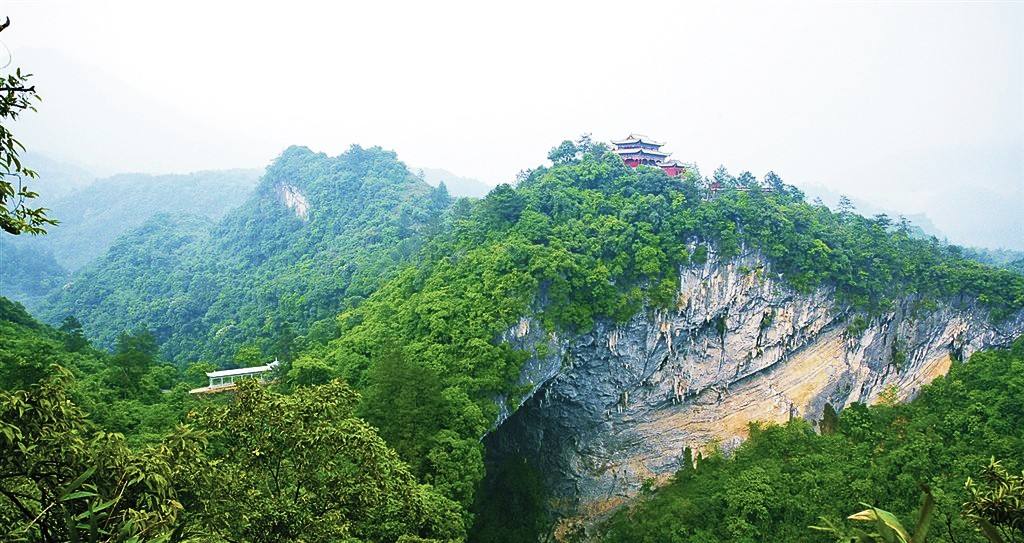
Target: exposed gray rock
(615,407)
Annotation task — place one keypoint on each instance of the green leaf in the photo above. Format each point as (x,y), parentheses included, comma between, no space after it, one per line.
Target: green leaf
(77,482)
(77,495)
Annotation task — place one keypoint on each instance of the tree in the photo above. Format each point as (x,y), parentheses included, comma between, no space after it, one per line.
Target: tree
(61,479)
(403,399)
(303,467)
(74,339)
(439,197)
(309,371)
(829,420)
(504,204)
(723,177)
(563,153)
(774,182)
(846,206)
(747,180)
(248,356)
(16,215)
(997,505)
(134,355)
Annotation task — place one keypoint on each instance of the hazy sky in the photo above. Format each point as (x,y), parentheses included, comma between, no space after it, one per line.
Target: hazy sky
(915,107)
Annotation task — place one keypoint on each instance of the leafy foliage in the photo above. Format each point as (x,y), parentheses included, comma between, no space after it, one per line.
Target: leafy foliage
(254,466)
(62,479)
(131,391)
(997,503)
(17,216)
(303,467)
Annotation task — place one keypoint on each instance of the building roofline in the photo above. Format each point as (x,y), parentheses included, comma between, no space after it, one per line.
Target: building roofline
(637,138)
(243,371)
(650,152)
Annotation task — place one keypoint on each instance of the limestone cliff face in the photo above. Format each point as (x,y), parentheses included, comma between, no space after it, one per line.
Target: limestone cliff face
(616,407)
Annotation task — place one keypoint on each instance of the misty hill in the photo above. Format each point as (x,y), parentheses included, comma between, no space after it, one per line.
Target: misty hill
(457,185)
(869,209)
(93,213)
(91,218)
(28,271)
(592,296)
(56,178)
(317,233)
(1003,258)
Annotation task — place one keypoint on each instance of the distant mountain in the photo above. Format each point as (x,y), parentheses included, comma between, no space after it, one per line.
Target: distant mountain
(28,271)
(56,178)
(456,185)
(316,234)
(1003,258)
(93,216)
(869,209)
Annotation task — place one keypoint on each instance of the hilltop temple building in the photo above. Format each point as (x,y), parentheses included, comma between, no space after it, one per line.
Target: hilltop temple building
(637,149)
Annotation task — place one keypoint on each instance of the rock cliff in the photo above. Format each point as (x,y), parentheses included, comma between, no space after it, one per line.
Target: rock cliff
(617,406)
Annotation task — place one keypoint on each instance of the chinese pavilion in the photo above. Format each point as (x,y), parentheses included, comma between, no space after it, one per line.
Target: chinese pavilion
(225,379)
(673,167)
(636,150)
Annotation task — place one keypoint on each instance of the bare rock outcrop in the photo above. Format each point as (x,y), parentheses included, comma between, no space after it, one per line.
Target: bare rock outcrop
(615,407)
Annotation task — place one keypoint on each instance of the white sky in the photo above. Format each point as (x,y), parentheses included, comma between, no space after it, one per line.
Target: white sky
(915,107)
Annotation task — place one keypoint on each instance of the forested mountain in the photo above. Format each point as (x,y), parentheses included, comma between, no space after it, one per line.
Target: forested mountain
(585,326)
(318,234)
(92,217)
(93,214)
(593,243)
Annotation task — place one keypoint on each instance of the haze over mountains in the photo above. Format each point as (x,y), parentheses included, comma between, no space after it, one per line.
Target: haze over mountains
(284,332)
(902,133)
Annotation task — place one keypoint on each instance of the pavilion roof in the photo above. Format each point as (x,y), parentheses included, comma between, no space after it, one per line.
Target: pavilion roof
(243,371)
(650,152)
(637,138)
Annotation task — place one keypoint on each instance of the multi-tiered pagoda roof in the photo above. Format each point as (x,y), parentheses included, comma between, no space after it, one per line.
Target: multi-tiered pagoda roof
(637,149)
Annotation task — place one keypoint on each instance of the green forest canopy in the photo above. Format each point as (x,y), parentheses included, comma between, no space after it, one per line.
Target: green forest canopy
(262,275)
(436,284)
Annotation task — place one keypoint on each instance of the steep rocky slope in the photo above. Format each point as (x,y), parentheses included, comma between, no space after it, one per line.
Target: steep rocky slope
(617,406)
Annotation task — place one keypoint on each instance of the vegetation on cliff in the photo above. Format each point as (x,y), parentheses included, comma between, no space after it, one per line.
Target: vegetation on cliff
(427,288)
(259,277)
(786,478)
